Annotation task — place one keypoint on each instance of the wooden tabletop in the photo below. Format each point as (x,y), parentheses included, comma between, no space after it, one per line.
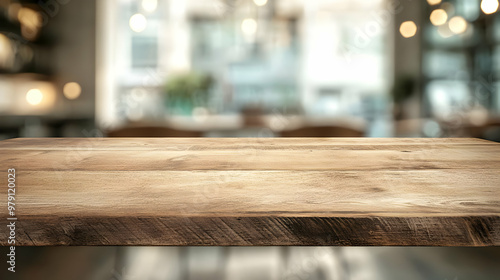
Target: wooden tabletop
(281,191)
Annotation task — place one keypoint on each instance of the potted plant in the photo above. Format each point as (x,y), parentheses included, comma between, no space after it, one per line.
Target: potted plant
(186,91)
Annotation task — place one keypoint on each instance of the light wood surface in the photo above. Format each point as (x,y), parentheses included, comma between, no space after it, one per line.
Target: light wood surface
(282,191)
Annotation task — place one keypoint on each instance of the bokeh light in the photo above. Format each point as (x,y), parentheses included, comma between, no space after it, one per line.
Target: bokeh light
(458,25)
(34,97)
(149,5)
(31,22)
(138,22)
(249,26)
(433,2)
(260,2)
(438,17)
(408,29)
(6,52)
(72,90)
(489,6)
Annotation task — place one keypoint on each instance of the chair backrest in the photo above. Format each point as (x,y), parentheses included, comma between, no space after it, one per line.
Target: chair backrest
(323,131)
(152,131)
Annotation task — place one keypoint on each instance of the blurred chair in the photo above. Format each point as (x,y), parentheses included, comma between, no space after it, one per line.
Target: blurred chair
(152,131)
(490,130)
(253,116)
(323,131)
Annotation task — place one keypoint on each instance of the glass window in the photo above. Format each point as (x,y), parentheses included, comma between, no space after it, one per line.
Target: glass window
(283,55)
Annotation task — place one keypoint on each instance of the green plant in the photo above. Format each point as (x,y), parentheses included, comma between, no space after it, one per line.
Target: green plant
(189,87)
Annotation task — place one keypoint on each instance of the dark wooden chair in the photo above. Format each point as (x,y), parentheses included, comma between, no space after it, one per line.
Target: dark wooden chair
(323,131)
(490,130)
(152,131)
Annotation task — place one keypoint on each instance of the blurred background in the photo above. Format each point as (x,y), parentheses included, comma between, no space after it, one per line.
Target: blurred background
(251,68)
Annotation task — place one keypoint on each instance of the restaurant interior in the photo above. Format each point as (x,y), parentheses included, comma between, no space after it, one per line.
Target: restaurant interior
(251,68)
(245,68)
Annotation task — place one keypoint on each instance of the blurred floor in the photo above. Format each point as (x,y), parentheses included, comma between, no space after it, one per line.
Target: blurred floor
(297,263)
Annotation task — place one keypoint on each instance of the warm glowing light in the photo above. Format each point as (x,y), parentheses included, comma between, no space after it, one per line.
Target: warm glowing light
(31,22)
(29,17)
(458,25)
(34,96)
(7,55)
(438,17)
(433,2)
(72,90)
(249,26)
(489,6)
(149,5)
(260,2)
(4,44)
(138,22)
(408,29)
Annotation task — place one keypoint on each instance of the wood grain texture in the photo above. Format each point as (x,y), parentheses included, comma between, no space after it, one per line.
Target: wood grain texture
(285,191)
